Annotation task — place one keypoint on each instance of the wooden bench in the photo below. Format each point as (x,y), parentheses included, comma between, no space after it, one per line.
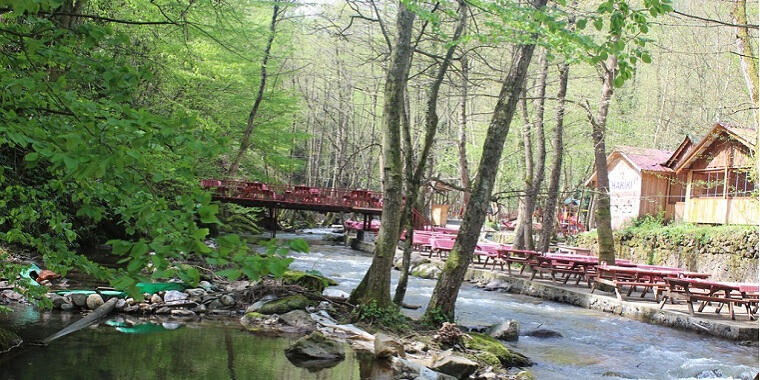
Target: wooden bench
(707,292)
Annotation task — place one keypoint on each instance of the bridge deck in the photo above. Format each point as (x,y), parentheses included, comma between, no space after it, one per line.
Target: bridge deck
(257,194)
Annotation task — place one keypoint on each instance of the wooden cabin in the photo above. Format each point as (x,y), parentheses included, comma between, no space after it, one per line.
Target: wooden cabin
(640,182)
(708,182)
(720,185)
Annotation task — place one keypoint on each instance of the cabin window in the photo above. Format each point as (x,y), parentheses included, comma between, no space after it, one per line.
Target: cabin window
(708,184)
(740,184)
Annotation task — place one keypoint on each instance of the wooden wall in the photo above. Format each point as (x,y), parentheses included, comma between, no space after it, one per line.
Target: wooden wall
(654,193)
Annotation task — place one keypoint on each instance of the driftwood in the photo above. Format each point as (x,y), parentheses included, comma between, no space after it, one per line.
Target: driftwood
(89,319)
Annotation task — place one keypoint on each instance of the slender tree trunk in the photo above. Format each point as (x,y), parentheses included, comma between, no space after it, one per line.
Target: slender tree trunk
(747,55)
(375,286)
(464,170)
(245,142)
(524,216)
(414,176)
(443,300)
(550,206)
(599,124)
(534,174)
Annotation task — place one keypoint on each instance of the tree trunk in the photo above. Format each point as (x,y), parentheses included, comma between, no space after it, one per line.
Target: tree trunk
(747,55)
(245,142)
(414,179)
(443,299)
(464,170)
(550,206)
(375,286)
(534,174)
(599,124)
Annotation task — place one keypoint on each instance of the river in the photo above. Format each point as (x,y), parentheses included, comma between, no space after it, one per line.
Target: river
(594,345)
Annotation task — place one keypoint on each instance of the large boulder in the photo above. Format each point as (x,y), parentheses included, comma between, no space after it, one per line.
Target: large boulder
(488,344)
(508,330)
(408,369)
(387,346)
(299,319)
(8,340)
(454,365)
(426,270)
(315,351)
(286,304)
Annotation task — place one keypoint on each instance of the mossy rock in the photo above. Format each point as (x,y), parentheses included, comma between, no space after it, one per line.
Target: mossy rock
(8,340)
(286,304)
(488,358)
(313,282)
(488,344)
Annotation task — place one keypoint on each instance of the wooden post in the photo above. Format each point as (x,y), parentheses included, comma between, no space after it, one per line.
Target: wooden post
(273,219)
(686,216)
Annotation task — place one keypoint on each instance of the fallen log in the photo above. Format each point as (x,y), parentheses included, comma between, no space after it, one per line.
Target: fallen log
(87,320)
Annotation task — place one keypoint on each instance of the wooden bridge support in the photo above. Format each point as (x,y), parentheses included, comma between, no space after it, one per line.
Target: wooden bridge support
(273,219)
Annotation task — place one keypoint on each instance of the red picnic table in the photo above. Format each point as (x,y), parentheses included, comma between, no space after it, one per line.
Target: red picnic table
(566,265)
(441,245)
(619,276)
(491,252)
(695,289)
(522,256)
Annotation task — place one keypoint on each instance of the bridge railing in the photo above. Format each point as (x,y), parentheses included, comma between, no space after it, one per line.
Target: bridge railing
(234,189)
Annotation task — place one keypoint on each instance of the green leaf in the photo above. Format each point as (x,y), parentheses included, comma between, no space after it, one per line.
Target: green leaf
(299,245)
(230,274)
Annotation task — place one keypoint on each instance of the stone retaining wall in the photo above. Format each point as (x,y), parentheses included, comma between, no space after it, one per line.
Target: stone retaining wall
(727,254)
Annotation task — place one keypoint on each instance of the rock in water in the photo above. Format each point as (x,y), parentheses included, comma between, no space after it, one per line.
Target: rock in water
(387,346)
(509,330)
(524,375)
(78,299)
(299,319)
(286,304)
(543,333)
(182,313)
(174,295)
(315,351)
(8,340)
(449,363)
(56,300)
(495,349)
(94,301)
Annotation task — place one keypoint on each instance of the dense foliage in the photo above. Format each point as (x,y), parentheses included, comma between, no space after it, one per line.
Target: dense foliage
(109,122)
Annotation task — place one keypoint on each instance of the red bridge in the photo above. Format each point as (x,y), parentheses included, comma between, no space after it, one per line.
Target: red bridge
(274,197)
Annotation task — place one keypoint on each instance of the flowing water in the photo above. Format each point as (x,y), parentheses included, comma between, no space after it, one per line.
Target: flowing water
(594,345)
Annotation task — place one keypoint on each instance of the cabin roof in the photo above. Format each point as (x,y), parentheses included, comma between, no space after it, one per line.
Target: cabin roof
(745,136)
(647,159)
(680,152)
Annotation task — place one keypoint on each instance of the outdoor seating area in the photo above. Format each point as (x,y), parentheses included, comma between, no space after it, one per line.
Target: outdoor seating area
(578,267)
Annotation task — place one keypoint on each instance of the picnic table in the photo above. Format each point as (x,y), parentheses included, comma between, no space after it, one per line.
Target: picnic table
(441,245)
(565,265)
(522,256)
(619,276)
(707,292)
(491,252)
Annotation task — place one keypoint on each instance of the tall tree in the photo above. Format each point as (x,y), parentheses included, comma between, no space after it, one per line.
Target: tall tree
(599,125)
(442,302)
(534,166)
(414,176)
(245,141)
(550,205)
(747,55)
(375,286)
(464,169)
